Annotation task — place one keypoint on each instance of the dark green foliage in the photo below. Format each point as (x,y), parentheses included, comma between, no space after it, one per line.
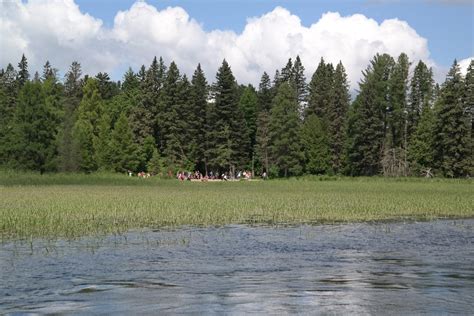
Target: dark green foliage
(284,131)
(86,127)
(107,88)
(49,73)
(397,103)
(320,91)
(316,146)
(262,146)
(156,165)
(8,101)
(23,74)
(226,142)
(124,152)
(469,107)
(337,119)
(367,121)
(421,95)
(299,80)
(421,145)
(199,95)
(265,93)
(452,129)
(248,105)
(102,143)
(32,145)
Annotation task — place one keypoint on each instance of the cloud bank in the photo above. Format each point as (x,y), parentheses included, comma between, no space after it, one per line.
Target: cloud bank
(58,31)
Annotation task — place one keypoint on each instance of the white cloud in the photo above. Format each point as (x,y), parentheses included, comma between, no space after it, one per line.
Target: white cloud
(464,64)
(57,30)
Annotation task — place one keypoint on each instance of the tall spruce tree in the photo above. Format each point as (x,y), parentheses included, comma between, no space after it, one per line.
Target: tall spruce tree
(421,145)
(299,80)
(124,152)
(226,140)
(320,90)
(469,106)
(337,118)
(284,132)
(367,120)
(87,125)
(421,95)
(23,74)
(452,139)
(199,95)
(248,105)
(265,94)
(33,142)
(8,101)
(316,145)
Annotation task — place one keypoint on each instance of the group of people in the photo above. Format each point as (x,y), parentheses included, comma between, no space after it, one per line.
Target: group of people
(225,176)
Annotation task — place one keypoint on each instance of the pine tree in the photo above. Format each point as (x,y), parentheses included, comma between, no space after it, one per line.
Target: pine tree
(320,90)
(469,106)
(265,94)
(226,140)
(452,138)
(49,73)
(23,74)
(248,104)
(33,144)
(263,140)
(102,143)
(421,95)
(124,152)
(86,127)
(397,105)
(421,146)
(337,116)
(284,131)
(8,101)
(156,165)
(315,142)
(367,120)
(107,88)
(299,81)
(199,95)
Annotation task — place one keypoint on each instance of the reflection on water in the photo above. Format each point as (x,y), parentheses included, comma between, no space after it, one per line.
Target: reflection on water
(413,268)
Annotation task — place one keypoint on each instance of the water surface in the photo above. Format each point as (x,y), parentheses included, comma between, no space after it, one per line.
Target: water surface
(416,267)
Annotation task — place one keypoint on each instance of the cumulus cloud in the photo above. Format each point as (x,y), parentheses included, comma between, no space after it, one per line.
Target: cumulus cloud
(464,64)
(57,30)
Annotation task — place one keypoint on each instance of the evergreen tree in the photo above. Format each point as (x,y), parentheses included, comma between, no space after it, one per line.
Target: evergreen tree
(8,100)
(107,88)
(49,73)
(421,95)
(284,131)
(299,81)
(265,94)
(421,146)
(248,104)
(397,105)
(226,140)
(124,152)
(102,143)
(263,140)
(469,106)
(337,116)
(320,91)
(156,165)
(86,127)
(33,142)
(367,120)
(67,147)
(315,142)
(199,95)
(23,74)
(452,139)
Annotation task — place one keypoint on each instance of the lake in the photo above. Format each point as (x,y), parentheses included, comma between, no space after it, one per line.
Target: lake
(362,268)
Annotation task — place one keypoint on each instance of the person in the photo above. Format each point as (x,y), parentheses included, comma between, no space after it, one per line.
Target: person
(264,175)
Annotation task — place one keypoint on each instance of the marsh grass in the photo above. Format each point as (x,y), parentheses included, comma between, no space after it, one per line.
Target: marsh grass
(71,206)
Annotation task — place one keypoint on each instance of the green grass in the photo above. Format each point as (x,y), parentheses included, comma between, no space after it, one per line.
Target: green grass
(70,206)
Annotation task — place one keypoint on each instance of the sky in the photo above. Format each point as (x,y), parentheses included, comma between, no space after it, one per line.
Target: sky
(253,35)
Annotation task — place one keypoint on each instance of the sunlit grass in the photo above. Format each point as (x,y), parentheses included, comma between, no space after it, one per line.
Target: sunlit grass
(75,205)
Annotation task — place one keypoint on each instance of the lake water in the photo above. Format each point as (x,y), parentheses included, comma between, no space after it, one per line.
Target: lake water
(384,268)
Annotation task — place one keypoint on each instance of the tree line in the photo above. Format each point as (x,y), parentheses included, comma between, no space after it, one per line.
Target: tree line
(158,120)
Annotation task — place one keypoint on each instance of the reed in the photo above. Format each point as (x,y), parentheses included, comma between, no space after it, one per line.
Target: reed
(70,206)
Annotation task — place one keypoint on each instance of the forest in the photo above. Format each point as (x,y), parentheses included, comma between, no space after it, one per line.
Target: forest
(157,120)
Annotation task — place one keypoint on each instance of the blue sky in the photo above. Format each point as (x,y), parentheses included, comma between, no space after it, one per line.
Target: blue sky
(448,25)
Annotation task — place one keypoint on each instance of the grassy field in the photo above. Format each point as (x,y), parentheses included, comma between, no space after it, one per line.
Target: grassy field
(70,206)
